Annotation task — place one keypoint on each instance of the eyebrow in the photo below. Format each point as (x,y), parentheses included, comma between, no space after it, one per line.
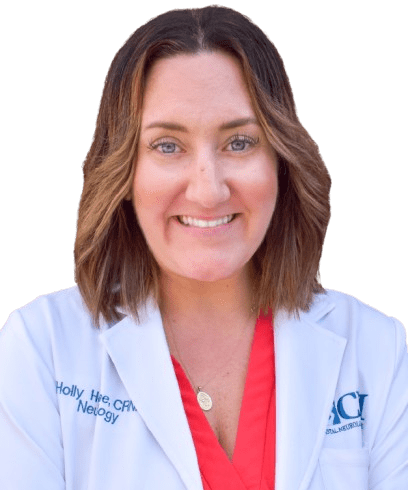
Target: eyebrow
(236,123)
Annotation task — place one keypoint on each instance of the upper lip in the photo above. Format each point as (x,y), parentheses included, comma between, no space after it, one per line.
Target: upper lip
(207,218)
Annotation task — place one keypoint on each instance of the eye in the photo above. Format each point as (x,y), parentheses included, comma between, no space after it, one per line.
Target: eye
(239,143)
(166,147)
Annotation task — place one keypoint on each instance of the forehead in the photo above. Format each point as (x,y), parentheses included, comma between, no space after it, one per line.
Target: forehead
(202,86)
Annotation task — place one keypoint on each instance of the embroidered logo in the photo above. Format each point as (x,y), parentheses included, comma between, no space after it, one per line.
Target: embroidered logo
(348,407)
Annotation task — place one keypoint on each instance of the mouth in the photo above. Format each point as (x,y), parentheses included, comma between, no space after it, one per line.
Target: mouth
(201,223)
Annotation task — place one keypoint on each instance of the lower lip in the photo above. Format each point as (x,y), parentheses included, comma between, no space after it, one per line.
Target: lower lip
(214,231)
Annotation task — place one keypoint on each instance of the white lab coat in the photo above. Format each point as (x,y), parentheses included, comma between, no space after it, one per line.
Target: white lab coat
(88,409)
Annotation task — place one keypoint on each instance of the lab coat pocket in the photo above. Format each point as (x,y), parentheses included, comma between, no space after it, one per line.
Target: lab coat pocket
(344,468)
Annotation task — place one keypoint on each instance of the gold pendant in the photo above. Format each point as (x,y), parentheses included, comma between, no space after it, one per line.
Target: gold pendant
(204,400)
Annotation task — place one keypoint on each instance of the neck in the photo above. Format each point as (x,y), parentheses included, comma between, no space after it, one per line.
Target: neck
(218,304)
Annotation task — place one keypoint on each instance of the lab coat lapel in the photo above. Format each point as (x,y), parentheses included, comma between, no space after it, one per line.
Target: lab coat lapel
(141,357)
(307,359)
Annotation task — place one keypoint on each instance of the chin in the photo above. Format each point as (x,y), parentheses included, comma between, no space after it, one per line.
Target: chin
(210,273)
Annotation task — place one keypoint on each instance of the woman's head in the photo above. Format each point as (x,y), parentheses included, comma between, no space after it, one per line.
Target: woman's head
(114,265)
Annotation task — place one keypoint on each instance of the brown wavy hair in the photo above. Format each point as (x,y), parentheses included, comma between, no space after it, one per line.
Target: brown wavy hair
(113,265)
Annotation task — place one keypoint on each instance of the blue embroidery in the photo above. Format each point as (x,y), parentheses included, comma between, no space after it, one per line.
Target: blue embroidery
(97,404)
(348,407)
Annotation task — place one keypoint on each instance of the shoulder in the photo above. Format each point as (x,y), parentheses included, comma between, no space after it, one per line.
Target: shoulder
(348,302)
(347,310)
(66,301)
(56,306)
(50,338)
(47,321)
(366,329)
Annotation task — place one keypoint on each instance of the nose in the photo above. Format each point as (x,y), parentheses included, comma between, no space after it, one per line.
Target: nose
(207,186)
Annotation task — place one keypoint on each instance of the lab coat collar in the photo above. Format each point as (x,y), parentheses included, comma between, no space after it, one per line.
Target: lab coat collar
(307,360)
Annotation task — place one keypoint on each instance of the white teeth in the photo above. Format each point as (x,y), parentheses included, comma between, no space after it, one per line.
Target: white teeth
(201,223)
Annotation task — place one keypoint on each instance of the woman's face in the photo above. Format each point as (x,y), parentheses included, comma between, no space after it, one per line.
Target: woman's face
(205,185)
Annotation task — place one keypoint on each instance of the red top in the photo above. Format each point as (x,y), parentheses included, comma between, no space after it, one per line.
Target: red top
(253,463)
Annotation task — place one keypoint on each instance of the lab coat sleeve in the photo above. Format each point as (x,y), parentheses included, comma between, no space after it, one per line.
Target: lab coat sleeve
(31,452)
(389,455)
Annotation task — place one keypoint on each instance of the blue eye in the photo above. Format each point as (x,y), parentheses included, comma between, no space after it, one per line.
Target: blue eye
(165,147)
(168,147)
(240,143)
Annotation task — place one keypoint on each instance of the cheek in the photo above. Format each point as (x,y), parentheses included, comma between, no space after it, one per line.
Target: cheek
(264,189)
(144,195)
(151,190)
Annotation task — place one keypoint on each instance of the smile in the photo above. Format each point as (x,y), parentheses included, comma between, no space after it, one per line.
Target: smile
(201,223)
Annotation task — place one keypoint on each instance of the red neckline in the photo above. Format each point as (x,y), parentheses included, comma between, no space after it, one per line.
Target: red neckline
(254,445)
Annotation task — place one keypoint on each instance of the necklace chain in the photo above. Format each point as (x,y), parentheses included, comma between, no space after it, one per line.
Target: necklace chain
(203,398)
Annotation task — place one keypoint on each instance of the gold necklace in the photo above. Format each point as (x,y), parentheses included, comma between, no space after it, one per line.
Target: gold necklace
(203,398)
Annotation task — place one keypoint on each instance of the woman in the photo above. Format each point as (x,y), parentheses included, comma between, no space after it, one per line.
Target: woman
(201,225)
